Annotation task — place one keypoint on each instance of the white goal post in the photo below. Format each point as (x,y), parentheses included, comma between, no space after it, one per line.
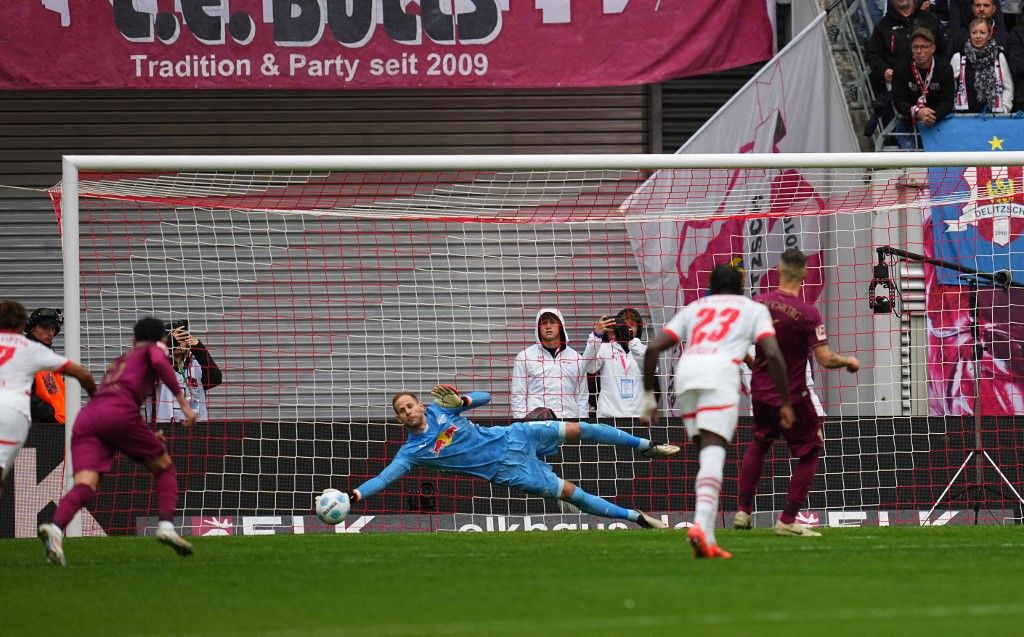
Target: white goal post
(330,282)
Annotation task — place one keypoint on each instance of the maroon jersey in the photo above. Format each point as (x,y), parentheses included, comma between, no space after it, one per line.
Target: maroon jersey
(130,379)
(798,329)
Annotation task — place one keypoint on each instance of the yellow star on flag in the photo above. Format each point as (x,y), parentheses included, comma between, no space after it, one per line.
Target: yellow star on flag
(995,143)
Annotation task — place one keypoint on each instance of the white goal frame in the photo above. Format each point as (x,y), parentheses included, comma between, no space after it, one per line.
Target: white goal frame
(73,165)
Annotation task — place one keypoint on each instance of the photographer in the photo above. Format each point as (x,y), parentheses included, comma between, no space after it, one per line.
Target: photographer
(197,374)
(615,350)
(47,399)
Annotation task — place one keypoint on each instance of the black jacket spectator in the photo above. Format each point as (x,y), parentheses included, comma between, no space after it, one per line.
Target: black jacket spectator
(941,88)
(960,15)
(889,45)
(1015,58)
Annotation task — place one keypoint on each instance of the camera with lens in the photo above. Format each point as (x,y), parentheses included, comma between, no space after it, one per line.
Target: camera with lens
(170,327)
(623,333)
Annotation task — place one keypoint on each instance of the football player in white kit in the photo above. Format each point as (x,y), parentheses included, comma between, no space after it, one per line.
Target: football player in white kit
(718,330)
(20,359)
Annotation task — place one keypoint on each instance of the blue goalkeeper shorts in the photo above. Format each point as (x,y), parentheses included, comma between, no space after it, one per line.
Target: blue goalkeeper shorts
(522,467)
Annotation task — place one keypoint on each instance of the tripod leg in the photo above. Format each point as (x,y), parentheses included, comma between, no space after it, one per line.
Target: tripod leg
(950,485)
(1003,476)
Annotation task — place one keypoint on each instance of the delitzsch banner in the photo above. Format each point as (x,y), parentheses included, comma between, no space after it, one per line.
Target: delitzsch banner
(365,44)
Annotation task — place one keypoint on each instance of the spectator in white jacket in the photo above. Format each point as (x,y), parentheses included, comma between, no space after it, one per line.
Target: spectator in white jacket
(615,350)
(549,381)
(984,82)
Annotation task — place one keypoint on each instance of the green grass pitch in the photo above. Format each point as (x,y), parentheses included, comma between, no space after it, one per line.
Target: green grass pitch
(868,581)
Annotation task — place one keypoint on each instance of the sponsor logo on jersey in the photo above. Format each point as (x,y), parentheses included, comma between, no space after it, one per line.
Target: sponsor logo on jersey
(51,383)
(444,439)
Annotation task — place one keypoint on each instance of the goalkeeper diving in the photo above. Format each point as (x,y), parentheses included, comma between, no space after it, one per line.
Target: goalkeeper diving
(440,437)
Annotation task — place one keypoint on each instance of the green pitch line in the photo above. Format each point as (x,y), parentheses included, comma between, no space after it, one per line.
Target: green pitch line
(878,581)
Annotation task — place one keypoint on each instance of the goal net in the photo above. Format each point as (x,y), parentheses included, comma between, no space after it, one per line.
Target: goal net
(321,286)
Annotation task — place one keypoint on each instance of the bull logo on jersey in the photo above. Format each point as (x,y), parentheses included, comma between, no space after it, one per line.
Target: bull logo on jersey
(444,439)
(996,204)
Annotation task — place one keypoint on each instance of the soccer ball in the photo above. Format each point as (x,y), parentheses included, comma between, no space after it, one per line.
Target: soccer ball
(332,506)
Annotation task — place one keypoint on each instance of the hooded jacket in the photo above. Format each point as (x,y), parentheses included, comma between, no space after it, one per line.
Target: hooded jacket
(557,382)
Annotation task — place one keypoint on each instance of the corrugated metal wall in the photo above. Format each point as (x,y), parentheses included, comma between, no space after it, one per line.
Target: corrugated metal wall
(40,126)
(321,316)
(689,102)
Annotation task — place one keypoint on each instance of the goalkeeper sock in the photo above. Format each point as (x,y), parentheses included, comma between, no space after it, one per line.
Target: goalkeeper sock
(709,485)
(596,432)
(599,506)
(78,497)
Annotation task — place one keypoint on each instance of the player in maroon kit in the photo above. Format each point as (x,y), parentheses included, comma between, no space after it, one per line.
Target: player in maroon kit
(800,332)
(112,421)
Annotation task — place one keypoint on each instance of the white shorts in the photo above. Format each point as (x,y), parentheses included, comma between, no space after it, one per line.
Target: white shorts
(13,434)
(708,395)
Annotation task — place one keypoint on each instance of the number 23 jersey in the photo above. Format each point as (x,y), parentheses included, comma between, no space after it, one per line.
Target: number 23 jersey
(720,327)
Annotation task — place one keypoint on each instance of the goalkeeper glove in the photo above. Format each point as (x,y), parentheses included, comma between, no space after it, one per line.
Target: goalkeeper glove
(447,396)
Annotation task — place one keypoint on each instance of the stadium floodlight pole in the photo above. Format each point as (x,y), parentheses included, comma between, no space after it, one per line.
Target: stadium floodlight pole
(1003,279)
(72,319)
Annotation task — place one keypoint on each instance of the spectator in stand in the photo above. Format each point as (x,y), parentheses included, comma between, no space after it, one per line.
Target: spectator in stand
(549,379)
(1011,13)
(1015,58)
(890,42)
(923,88)
(615,350)
(939,8)
(197,374)
(47,399)
(983,80)
(961,12)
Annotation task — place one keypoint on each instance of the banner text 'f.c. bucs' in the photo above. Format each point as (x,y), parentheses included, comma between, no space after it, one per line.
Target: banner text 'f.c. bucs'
(332,44)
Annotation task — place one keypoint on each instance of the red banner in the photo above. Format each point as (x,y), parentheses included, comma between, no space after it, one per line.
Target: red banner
(364,44)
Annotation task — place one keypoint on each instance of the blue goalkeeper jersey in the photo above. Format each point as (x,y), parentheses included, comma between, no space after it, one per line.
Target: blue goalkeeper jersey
(451,442)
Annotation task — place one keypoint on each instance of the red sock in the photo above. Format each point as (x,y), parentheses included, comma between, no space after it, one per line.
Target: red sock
(750,473)
(79,496)
(167,493)
(800,486)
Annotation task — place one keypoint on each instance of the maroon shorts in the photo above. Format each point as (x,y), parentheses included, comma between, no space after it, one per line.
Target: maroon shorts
(802,438)
(100,430)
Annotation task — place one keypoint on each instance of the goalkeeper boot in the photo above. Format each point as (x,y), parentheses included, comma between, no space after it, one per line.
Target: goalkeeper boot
(743,520)
(53,540)
(660,451)
(650,522)
(794,529)
(171,538)
(719,552)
